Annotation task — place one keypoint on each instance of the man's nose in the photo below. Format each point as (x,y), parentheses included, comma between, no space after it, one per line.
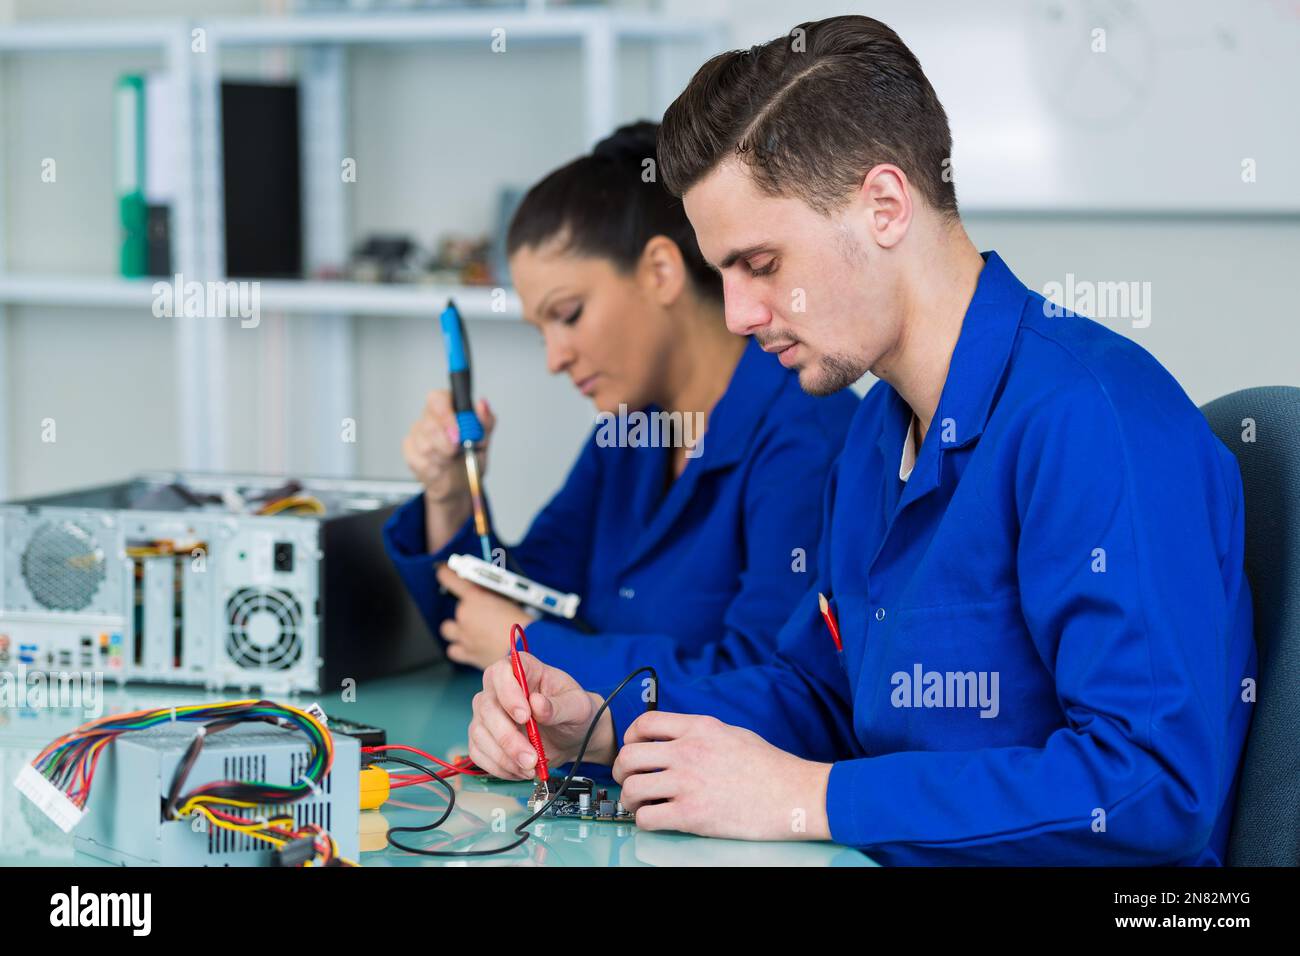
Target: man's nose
(743,310)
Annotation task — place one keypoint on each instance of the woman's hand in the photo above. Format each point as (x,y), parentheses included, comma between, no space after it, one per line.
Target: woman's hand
(433,452)
(479,634)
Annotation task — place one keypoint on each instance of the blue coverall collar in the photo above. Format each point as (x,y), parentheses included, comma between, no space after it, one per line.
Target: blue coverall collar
(975,374)
(754,386)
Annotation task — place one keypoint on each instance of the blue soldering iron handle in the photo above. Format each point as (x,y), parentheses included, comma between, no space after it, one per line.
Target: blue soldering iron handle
(462,397)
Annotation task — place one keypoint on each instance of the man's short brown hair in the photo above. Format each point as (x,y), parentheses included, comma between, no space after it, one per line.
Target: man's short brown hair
(810,113)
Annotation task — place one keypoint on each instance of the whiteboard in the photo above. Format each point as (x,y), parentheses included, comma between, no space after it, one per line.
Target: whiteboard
(1185,103)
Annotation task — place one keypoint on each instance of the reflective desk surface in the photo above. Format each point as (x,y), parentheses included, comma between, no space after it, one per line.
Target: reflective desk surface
(429,709)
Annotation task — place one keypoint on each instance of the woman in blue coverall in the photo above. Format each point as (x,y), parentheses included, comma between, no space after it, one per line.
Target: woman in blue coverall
(689,557)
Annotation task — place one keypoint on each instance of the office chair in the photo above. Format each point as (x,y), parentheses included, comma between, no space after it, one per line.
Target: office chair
(1266,821)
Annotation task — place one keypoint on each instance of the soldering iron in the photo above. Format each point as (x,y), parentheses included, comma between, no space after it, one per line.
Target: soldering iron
(470,428)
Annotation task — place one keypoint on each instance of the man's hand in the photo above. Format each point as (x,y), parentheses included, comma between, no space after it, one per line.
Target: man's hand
(479,634)
(698,775)
(562,709)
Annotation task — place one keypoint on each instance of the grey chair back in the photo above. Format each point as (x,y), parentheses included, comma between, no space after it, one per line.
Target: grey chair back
(1261,426)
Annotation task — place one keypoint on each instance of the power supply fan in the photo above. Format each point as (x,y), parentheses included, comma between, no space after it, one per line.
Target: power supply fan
(63,566)
(264,629)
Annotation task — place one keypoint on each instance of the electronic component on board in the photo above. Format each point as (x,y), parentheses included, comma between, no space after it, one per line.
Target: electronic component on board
(582,801)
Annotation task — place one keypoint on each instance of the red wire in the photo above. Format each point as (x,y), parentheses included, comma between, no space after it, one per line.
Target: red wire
(461,765)
(87,777)
(534,735)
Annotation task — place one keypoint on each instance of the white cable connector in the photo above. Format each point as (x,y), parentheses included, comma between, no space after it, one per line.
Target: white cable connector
(49,799)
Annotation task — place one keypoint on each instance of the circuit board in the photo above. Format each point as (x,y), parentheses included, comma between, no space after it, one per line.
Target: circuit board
(581,800)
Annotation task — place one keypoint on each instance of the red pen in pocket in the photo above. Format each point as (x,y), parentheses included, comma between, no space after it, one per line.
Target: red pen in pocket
(828,615)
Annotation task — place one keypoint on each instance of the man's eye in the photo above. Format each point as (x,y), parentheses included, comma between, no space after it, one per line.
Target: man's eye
(765,270)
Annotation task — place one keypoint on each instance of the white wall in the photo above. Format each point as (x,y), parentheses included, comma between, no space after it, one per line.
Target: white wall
(1223,315)
(435,136)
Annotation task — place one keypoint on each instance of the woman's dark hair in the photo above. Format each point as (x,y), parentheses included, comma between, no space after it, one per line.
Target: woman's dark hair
(609,204)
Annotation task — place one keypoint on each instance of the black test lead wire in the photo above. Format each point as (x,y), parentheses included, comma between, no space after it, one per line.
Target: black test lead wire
(524,835)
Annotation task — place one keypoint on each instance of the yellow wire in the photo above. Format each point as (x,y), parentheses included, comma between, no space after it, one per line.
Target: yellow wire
(205,799)
(309,502)
(256,831)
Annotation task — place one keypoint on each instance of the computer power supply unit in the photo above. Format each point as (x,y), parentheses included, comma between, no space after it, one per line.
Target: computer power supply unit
(177,578)
(124,826)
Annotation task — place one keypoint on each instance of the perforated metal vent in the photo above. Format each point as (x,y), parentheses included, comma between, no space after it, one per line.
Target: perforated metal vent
(63,566)
(264,629)
(251,768)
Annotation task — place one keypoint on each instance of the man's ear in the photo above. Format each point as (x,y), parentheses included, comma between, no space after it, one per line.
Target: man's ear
(662,271)
(886,202)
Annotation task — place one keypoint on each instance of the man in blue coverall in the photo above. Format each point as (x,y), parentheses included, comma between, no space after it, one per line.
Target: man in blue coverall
(1033,544)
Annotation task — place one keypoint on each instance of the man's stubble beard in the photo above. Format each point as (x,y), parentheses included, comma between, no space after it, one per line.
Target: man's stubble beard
(829,374)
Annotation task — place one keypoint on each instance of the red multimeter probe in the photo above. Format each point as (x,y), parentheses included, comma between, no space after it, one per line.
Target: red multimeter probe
(534,735)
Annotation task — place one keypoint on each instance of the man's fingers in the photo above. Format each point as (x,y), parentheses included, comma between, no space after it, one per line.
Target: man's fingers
(642,788)
(483,748)
(545,679)
(642,757)
(567,707)
(658,816)
(659,725)
(505,771)
(499,681)
(483,762)
(516,751)
(497,721)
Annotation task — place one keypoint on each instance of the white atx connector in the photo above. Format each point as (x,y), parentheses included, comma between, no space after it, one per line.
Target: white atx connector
(51,801)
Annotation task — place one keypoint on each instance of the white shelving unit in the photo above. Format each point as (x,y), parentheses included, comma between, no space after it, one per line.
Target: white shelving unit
(317,297)
(595,34)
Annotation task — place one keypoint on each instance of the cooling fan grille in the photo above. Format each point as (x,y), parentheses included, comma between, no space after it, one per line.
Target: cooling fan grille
(264,629)
(63,566)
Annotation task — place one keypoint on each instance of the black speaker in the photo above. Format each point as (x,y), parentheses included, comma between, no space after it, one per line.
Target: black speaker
(261,166)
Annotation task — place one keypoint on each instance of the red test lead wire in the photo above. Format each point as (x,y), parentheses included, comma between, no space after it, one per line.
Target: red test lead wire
(459,765)
(534,735)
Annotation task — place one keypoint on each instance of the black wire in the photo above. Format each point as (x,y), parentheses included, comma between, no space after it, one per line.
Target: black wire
(191,757)
(433,775)
(524,835)
(238,790)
